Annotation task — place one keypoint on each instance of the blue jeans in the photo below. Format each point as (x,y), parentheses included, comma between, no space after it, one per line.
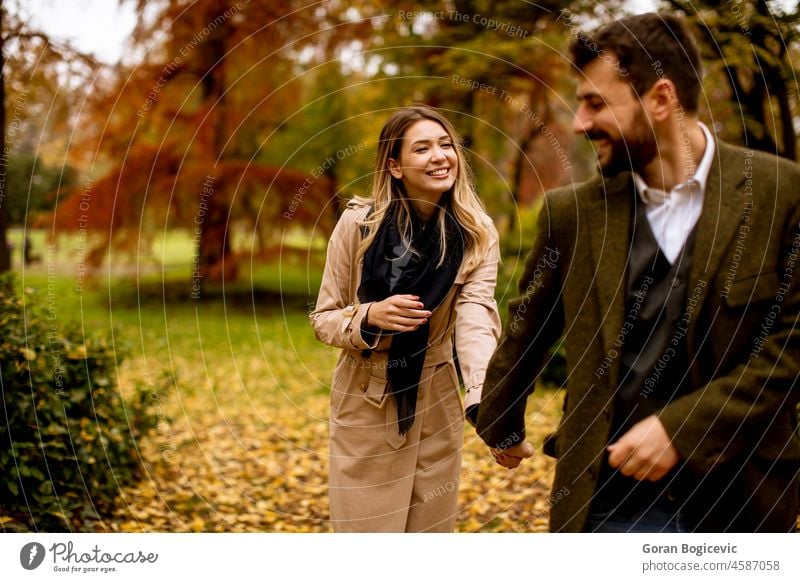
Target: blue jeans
(661,516)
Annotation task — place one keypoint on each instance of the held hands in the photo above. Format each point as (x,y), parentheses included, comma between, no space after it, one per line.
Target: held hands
(512,456)
(398,313)
(644,452)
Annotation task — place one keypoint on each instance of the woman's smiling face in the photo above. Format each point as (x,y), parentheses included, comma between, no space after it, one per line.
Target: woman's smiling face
(428,162)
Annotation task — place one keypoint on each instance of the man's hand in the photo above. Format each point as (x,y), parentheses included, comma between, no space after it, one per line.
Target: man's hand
(512,456)
(644,452)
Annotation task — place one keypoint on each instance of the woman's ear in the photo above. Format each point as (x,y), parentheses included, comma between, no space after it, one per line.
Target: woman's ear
(394,168)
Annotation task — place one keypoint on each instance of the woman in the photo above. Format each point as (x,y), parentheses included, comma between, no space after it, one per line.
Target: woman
(405,268)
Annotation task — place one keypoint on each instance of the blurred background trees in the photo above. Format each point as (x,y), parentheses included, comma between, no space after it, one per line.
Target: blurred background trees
(246,125)
(751,50)
(42,84)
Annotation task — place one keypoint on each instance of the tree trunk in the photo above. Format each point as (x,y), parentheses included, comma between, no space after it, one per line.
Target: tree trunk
(754,104)
(216,261)
(336,200)
(5,253)
(787,125)
(751,111)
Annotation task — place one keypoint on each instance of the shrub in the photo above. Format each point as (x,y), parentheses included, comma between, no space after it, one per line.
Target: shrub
(67,438)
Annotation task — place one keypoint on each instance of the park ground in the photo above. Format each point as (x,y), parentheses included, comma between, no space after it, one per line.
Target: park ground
(240,389)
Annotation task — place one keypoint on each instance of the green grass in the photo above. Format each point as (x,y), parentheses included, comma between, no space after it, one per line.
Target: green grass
(241,386)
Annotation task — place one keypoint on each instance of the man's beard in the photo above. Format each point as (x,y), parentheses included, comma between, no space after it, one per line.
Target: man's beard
(629,153)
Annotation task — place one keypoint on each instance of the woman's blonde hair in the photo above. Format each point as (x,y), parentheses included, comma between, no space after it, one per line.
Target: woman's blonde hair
(461,199)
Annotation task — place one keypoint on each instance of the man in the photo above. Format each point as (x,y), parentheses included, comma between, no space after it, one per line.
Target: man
(671,277)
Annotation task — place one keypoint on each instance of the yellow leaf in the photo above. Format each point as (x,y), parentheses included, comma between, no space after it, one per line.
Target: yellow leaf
(78,353)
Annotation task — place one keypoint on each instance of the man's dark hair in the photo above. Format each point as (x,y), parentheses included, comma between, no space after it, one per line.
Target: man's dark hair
(648,47)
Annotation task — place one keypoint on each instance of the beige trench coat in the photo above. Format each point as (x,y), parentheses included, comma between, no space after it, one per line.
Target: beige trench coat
(381,481)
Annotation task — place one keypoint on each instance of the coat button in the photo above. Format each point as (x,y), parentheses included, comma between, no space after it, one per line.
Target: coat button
(363,387)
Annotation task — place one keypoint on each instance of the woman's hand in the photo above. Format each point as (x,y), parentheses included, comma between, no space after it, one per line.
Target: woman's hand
(511,457)
(398,313)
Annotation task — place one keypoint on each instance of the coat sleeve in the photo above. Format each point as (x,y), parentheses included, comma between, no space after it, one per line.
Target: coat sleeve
(717,422)
(477,323)
(338,318)
(535,322)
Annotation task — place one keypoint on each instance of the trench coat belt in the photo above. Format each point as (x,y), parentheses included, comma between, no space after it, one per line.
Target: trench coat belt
(435,355)
(439,354)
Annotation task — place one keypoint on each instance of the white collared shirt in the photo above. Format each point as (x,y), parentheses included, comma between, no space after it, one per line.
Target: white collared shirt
(672,215)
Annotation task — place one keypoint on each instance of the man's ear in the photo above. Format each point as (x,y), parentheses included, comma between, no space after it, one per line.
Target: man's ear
(394,168)
(662,99)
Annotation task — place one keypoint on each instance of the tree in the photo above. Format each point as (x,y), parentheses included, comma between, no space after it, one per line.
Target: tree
(28,174)
(496,67)
(498,70)
(748,44)
(5,253)
(34,70)
(190,129)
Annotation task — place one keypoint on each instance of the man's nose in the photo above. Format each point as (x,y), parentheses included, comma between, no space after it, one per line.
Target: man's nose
(581,123)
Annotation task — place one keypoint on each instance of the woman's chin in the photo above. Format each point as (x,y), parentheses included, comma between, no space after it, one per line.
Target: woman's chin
(442,187)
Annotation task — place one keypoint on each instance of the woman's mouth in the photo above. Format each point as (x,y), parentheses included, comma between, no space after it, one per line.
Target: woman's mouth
(440,173)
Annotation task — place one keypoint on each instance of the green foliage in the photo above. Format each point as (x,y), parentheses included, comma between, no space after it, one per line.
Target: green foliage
(750,86)
(69,438)
(30,186)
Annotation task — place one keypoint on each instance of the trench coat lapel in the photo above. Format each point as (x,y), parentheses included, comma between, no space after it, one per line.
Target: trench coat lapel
(609,221)
(721,215)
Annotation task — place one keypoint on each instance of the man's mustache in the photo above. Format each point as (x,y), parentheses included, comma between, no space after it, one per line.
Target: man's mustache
(596,134)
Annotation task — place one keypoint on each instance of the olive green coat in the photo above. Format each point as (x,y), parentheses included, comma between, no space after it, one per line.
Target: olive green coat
(735,431)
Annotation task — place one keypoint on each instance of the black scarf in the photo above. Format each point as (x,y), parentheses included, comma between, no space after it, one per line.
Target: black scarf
(391,269)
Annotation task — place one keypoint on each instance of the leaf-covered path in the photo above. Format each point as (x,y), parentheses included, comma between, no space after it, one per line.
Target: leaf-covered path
(241,442)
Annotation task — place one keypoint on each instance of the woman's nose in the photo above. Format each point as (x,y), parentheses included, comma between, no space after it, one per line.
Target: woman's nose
(437,153)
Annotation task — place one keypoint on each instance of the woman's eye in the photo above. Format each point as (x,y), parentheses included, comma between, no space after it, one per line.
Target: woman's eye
(420,150)
(447,145)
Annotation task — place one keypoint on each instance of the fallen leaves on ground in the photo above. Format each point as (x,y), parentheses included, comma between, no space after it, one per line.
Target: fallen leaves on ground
(241,446)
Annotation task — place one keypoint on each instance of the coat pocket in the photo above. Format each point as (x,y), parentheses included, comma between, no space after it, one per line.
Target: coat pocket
(779,444)
(376,390)
(375,394)
(753,289)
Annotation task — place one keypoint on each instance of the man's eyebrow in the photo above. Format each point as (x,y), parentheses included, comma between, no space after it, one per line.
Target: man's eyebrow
(587,95)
